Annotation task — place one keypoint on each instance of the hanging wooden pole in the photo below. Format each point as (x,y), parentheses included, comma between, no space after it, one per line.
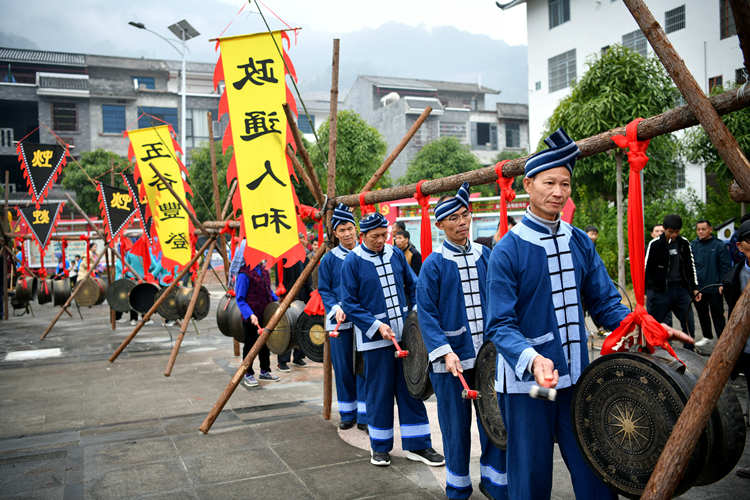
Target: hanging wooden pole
(664,123)
(306,161)
(679,448)
(400,147)
(72,295)
(169,288)
(722,139)
(110,268)
(237,377)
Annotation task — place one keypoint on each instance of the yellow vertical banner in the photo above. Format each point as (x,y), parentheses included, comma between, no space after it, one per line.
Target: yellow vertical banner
(253,72)
(155,146)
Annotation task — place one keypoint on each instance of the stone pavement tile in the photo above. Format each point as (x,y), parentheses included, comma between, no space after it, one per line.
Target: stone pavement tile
(294,430)
(314,450)
(191,423)
(137,480)
(121,431)
(280,486)
(415,495)
(54,493)
(104,457)
(197,443)
(32,472)
(354,480)
(173,495)
(221,466)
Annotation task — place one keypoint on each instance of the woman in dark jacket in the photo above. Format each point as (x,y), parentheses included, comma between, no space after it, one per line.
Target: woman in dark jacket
(253,293)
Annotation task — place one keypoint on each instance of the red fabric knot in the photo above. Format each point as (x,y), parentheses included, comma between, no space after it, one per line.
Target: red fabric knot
(314,306)
(506,195)
(651,335)
(636,149)
(226,229)
(425,229)
(364,207)
(84,237)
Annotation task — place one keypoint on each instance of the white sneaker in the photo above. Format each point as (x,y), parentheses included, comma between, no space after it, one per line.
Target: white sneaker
(149,322)
(123,320)
(133,322)
(702,342)
(169,323)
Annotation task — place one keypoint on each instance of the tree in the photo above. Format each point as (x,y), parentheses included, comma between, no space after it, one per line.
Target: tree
(360,150)
(95,165)
(201,179)
(699,149)
(617,87)
(440,158)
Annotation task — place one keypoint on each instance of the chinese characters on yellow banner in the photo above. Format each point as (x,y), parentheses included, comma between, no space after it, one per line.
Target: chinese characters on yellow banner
(155,147)
(255,89)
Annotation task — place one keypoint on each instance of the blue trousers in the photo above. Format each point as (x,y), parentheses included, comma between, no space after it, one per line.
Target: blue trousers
(532,425)
(384,380)
(350,388)
(454,414)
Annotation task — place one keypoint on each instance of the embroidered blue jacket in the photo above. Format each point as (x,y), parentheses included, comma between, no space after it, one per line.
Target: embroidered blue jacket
(377,288)
(536,284)
(451,292)
(330,285)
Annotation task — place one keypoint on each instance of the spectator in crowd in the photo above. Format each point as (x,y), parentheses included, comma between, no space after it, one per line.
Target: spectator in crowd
(402,240)
(735,282)
(656,231)
(671,281)
(712,262)
(737,256)
(74,270)
(592,232)
(488,241)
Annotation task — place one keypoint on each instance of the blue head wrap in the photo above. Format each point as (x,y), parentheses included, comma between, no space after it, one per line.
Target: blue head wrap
(341,215)
(451,205)
(372,221)
(562,152)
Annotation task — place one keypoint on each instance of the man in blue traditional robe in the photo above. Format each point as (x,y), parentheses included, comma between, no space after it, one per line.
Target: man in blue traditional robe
(350,388)
(450,303)
(539,276)
(378,291)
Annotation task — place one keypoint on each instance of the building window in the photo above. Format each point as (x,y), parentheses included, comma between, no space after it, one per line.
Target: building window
(512,135)
(538,86)
(605,49)
(740,76)
(453,129)
(559,12)
(483,134)
(727,27)
(674,20)
(113,118)
(64,116)
(680,177)
(152,116)
(561,70)
(715,81)
(306,126)
(635,41)
(144,82)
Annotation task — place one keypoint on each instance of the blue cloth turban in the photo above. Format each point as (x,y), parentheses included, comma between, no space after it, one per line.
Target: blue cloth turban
(562,152)
(372,221)
(451,205)
(341,215)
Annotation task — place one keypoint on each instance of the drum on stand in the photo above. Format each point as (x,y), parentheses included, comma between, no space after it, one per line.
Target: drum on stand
(61,291)
(169,309)
(486,404)
(118,294)
(416,364)
(202,304)
(310,335)
(91,292)
(229,318)
(281,336)
(45,292)
(142,297)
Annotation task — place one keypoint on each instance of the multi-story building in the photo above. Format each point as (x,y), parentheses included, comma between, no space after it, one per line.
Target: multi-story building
(89,100)
(564,34)
(392,105)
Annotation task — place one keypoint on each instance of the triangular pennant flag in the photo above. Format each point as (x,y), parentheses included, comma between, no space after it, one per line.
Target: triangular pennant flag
(141,207)
(41,164)
(117,208)
(41,221)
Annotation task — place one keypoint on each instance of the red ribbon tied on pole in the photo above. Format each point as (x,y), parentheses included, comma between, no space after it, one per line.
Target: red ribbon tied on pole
(506,195)
(425,229)
(281,289)
(364,207)
(63,246)
(653,333)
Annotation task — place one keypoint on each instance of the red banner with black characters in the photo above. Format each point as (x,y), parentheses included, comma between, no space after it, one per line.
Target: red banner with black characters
(117,208)
(41,164)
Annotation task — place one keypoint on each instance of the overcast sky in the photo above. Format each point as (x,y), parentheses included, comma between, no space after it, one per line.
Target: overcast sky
(100,26)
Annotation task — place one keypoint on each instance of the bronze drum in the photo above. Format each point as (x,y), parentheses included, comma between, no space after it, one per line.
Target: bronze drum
(61,291)
(281,336)
(202,304)
(91,292)
(169,309)
(26,289)
(229,318)
(45,292)
(416,364)
(118,293)
(486,404)
(310,335)
(142,297)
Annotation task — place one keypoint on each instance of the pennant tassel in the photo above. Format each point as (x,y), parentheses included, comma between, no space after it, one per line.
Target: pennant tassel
(425,229)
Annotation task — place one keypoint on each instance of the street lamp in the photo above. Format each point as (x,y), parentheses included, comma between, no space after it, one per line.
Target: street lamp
(184,32)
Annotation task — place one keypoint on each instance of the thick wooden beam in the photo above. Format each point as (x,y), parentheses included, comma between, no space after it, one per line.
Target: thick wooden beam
(722,139)
(675,119)
(679,448)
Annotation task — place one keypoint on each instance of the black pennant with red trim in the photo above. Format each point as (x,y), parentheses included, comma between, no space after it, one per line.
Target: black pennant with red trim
(41,221)
(41,165)
(117,208)
(133,190)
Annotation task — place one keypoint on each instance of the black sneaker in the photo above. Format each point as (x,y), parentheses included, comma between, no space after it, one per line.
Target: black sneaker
(283,367)
(346,425)
(381,459)
(427,456)
(299,362)
(362,427)
(485,492)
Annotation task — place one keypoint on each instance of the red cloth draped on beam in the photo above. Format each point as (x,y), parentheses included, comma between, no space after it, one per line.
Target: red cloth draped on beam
(506,195)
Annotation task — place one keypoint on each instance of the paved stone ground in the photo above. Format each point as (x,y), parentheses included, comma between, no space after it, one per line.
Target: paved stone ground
(72,425)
